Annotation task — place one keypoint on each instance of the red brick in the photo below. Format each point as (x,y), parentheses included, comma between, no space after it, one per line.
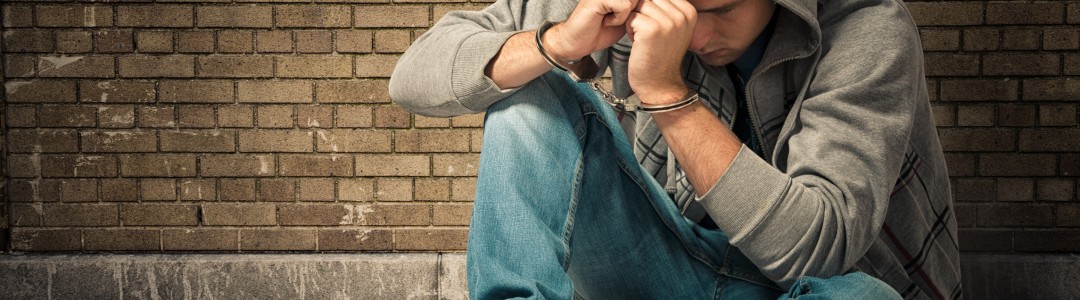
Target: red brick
(965,139)
(430,239)
(1058,240)
(28,40)
(236,66)
(32,239)
(1015,189)
(394,189)
(160,215)
(239,214)
(145,66)
(1016,115)
(326,16)
(118,190)
(1025,12)
(316,41)
(275,116)
(392,165)
(275,141)
(375,65)
(277,190)
(78,166)
(449,140)
(74,41)
(236,165)
(392,16)
(947,64)
(277,239)
(117,91)
(1021,64)
(1024,164)
(40,91)
(235,16)
(982,39)
(157,166)
(337,140)
(455,164)
(82,215)
(275,91)
(452,214)
(67,116)
(122,240)
(985,240)
(355,189)
(114,41)
(155,16)
(78,190)
(316,165)
(201,239)
(198,141)
(317,189)
(1052,89)
(314,116)
(233,189)
(355,240)
(157,189)
(314,214)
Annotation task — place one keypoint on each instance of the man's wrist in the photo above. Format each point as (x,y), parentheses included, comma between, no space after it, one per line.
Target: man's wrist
(557,47)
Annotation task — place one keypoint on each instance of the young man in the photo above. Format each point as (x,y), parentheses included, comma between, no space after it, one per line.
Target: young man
(780,146)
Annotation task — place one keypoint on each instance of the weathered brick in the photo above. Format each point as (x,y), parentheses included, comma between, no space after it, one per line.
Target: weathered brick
(235,16)
(122,240)
(157,116)
(79,66)
(40,91)
(314,66)
(1059,240)
(394,189)
(455,164)
(236,116)
(118,141)
(946,13)
(1052,89)
(314,41)
(18,16)
(157,166)
(78,190)
(277,190)
(314,116)
(37,190)
(381,65)
(236,66)
(448,140)
(155,41)
(28,40)
(337,140)
(1068,215)
(143,66)
(392,165)
(452,214)
(236,165)
(975,115)
(114,41)
(200,239)
(940,39)
(277,239)
(67,116)
(970,139)
(353,91)
(392,214)
(430,239)
(1057,115)
(33,239)
(353,41)
(42,141)
(1015,189)
(267,140)
(463,189)
(22,116)
(356,189)
(1025,12)
(233,189)
(1021,64)
(118,190)
(981,39)
(1016,115)
(946,64)
(26,215)
(26,166)
(326,16)
(160,214)
(155,16)
(19,66)
(197,189)
(197,41)
(315,165)
(273,41)
(117,91)
(355,240)
(393,16)
(196,117)
(314,214)
(78,166)
(74,16)
(317,189)
(291,91)
(1023,164)
(1049,140)
(82,215)
(1056,189)
(275,116)
(157,189)
(230,214)
(196,91)
(985,240)
(198,141)
(74,41)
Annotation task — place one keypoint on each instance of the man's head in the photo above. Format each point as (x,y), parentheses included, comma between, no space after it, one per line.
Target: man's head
(726,28)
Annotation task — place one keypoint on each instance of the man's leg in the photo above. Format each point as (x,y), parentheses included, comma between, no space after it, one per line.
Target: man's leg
(856,285)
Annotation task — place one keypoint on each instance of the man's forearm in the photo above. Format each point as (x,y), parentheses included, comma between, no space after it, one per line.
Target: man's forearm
(517,63)
(702,144)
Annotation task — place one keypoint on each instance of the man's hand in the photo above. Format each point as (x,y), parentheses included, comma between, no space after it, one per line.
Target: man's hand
(661,30)
(594,25)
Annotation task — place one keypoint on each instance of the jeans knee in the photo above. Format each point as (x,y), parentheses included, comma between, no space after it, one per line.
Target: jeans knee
(855,285)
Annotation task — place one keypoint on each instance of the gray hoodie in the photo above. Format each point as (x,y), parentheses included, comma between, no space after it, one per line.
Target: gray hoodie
(853,175)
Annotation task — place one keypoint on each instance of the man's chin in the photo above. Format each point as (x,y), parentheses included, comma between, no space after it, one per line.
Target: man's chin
(717,58)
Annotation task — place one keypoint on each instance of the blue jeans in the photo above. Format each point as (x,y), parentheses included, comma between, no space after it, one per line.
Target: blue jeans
(564,210)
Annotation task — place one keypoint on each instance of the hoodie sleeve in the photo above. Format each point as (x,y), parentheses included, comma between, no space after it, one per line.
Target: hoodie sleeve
(442,72)
(822,206)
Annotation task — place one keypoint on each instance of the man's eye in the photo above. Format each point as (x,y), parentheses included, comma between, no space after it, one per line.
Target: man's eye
(722,10)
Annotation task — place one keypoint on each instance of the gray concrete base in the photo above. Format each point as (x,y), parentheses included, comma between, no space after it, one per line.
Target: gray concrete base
(391,276)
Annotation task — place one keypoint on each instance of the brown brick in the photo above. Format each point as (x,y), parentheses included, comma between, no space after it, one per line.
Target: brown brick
(314,16)
(313,214)
(981,39)
(1025,12)
(236,66)
(392,116)
(197,189)
(448,140)
(1072,65)
(1020,39)
(198,141)
(196,117)
(143,66)
(1058,240)
(353,140)
(78,190)
(277,190)
(19,66)
(946,13)
(353,41)
(42,141)
(1068,215)
(158,189)
(353,116)
(468,121)
(83,215)
(236,116)
(317,189)
(392,165)
(1052,140)
(316,165)
(975,115)
(353,91)
(1021,64)
(314,116)
(314,66)
(1024,164)
(314,41)
(277,239)
(122,240)
(394,189)
(964,139)
(355,189)
(273,41)
(117,91)
(235,16)
(1015,189)
(200,239)
(155,16)
(1061,39)
(1057,115)
(24,165)
(74,16)
(67,116)
(940,39)
(118,190)
(430,239)
(198,41)
(27,239)
(392,16)
(40,91)
(236,165)
(28,40)
(391,41)
(275,116)
(18,16)
(420,121)
(1016,115)
(455,164)
(965,215)
(157,166)
(432,189)
(236,41)
(196,91)
(233,189)
(946,64)
(22,116)
(1056,189)
(114,41)
(116,116)
(239,214)
(985,240)
(392,215)
(160,215)
(26,215)
(355,240)
(74,41)
(38,190)
(79,66)
(1070,164)
(78,166)
(381,65)
(1015,216)
(291,91)
(1052,89)
(275,141)
(452,214)
(463,189)
(154,41)
(157,116)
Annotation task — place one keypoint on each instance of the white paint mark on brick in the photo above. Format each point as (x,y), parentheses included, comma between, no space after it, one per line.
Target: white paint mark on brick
(312,122)
(13,86)
(264,165)
(56,62)
(355,214)
(449,169)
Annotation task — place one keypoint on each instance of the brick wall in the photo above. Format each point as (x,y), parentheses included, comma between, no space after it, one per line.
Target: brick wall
(248,126)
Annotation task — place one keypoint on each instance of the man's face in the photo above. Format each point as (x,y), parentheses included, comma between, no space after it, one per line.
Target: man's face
(726,28)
